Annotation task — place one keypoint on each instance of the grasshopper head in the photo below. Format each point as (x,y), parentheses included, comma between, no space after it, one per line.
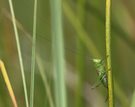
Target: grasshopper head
(98,62)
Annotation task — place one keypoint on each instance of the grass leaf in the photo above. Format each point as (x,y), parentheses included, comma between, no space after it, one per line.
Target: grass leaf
(33,55)
(19,51)
(58,53)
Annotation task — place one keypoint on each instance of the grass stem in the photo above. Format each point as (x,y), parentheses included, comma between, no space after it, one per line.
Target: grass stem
(19,51)
(33,55)
(8,84)
(58,53)
(108,54)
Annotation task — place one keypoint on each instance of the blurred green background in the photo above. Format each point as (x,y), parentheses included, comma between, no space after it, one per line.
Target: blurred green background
(83,25)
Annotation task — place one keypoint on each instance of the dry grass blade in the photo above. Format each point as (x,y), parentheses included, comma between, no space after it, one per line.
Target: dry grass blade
(8,84)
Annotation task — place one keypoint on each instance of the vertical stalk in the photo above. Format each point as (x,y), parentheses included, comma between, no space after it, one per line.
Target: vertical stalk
(33,55)
(8,84)
(19,51)
(58,53)
(108,54)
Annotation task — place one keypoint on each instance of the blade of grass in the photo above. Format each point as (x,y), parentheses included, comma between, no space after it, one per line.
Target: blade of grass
(8,84)
(33,54)
(44,78)
(108,54)
(19,51)
(38,60)
(58,53)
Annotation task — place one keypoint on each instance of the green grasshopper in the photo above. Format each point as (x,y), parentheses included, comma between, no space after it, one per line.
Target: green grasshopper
(101,70)
(102,75)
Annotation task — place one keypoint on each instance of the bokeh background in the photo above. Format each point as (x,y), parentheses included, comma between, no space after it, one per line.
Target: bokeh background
(83,25)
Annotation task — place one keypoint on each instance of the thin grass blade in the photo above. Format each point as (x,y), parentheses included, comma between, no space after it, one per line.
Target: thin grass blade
(33,55)
(19,51)
(8,84)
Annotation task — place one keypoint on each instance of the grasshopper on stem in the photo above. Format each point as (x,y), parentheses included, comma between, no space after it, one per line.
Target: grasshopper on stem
(101,70)
(102,74)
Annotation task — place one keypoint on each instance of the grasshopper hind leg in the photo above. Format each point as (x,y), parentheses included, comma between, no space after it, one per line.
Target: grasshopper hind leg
(96,85)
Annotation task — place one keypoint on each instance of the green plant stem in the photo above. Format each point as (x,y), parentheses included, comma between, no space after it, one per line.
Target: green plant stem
(108,54)
(115,27)
(58,53)
(33,55)
(19,51)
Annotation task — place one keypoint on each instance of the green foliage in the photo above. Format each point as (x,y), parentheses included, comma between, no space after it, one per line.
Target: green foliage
(81,27)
